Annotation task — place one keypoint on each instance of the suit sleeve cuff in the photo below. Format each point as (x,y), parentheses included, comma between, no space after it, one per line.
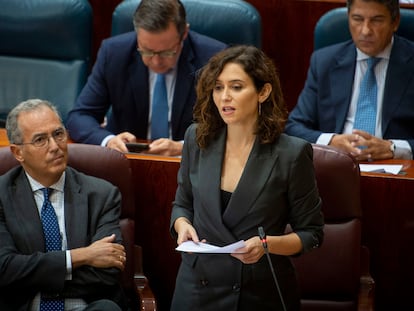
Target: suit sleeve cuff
(106,139)
(402,149)
(68,266)
(325,139)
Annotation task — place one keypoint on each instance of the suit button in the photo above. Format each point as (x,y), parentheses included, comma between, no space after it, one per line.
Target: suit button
(236,287)
(204,282)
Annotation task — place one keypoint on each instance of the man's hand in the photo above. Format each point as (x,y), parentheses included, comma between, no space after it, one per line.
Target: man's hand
(373,148)
(363,146)
(103,253)
(165,147)
(118,142)
(345,142)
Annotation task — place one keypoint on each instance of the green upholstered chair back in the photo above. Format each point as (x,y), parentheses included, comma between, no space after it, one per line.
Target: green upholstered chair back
(45,49)
(333,28)
(229,21)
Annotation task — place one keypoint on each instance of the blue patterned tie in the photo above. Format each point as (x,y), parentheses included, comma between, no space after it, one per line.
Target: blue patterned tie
(159,118)
(53,243)
(366,114)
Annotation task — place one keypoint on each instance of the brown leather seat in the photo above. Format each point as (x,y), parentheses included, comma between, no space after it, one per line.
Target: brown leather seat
(113,166)
(336,276)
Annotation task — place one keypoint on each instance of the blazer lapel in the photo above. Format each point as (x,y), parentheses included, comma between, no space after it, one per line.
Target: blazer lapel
(400,73)
(210,175)
(26,210)
(341,84)
(183,85)
(139,85)
(258,168)
(76,212)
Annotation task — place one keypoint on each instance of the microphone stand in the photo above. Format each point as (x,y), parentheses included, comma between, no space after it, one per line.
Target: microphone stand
(262,236)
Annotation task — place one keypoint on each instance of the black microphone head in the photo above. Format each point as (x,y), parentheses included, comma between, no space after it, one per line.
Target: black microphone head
(262,234)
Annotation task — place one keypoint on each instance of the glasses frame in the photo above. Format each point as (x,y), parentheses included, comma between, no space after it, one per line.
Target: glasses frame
(43,140)
(162,54)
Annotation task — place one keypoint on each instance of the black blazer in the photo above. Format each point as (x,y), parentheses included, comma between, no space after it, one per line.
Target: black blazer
(277,187)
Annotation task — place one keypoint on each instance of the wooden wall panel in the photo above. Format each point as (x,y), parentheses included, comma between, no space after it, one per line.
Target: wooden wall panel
(102,18)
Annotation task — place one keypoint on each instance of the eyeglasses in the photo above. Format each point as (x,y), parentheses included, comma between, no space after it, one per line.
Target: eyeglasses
(41,141)
(162,54)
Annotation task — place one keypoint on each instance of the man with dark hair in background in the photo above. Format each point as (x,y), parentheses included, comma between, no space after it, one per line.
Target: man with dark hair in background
(126,73)
(329,110)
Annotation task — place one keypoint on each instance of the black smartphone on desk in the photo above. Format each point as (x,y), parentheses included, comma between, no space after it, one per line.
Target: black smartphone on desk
(137,147)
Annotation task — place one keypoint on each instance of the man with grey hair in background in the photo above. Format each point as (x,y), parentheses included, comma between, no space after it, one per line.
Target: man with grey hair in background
(60,237)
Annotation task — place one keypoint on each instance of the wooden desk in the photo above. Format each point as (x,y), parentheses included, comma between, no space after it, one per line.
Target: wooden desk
(3,138)
(387,228)
(388,231)
(156,182)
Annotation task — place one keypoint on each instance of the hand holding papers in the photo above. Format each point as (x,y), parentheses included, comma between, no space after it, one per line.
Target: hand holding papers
(192,247)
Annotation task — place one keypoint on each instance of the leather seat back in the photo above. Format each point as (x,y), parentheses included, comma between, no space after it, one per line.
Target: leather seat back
(229,21)
(333,27)
(45,51)
(329,277)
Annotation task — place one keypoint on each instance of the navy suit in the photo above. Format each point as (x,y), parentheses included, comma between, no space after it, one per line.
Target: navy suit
(277,187)
(92,209)
(119,80)
(324,102)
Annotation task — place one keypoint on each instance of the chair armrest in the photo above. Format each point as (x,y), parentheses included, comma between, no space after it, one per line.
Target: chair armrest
(367,284)
(142,288)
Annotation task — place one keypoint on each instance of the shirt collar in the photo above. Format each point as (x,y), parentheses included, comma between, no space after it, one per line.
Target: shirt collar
(35,185)
(169,73)
(383,54)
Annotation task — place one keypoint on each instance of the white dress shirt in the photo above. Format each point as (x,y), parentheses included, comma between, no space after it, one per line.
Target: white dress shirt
(57,198)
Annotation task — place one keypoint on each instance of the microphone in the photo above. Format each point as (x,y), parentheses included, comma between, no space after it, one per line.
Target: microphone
(262,236)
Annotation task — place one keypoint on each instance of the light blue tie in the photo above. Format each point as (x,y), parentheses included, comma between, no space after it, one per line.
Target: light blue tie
(366,114)
(159,118)
(53,242)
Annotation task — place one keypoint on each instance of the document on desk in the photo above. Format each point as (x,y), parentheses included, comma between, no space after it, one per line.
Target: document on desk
(192,247)
(381,168)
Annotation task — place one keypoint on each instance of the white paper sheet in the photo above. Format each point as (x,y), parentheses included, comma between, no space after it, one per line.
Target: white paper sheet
(191,247)
(381,168)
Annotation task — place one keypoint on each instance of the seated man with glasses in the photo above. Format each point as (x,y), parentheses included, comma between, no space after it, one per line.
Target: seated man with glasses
(143,82)
(60,238)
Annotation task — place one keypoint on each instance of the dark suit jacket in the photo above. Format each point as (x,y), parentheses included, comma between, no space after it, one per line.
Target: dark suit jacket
(324,102)
(119,80)
(92,210)
(277,187)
